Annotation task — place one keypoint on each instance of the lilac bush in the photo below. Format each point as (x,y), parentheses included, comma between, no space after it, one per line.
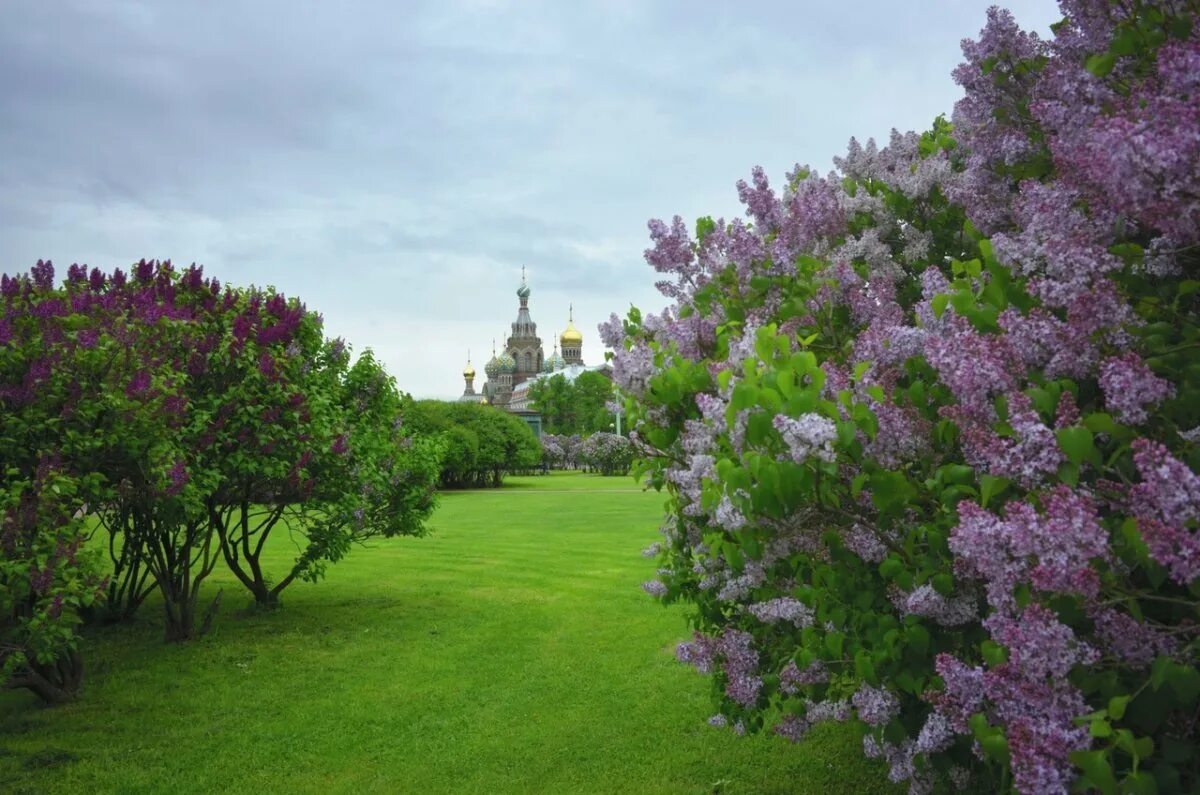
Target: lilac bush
(928,423)
(184,418)
(606,453)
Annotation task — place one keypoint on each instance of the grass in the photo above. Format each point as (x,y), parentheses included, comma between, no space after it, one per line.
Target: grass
(510,651)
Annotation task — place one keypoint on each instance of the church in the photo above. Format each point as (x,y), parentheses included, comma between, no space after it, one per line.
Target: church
(522,361)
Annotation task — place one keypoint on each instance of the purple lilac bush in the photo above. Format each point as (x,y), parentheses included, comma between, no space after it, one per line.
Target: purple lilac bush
(606,453)
(185,419)
(929,423)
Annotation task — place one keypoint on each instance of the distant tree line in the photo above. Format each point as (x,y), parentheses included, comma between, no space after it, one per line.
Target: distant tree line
(481,443)
(573,407)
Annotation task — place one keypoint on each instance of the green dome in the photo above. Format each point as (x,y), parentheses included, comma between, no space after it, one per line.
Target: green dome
(523,291)
(492,368)
(507,363)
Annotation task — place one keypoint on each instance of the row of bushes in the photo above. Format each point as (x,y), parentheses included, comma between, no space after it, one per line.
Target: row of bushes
(929,424)
(183,421)
(605,453)
(481,443)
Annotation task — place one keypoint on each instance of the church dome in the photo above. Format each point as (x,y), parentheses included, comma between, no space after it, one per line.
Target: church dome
(469,370)
(556,362)
(492,368)
(507,363)
(523,290)
(571,336)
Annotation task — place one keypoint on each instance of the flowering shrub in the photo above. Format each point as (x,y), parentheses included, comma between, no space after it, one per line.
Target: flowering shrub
(606,453)
(553,454)
(929,424)
(561,451)
(187,418)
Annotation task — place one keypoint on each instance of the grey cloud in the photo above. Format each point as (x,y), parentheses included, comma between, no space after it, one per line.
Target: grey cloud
(395,164)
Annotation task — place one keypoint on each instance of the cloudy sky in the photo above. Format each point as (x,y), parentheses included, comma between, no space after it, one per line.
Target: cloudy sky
(395,164)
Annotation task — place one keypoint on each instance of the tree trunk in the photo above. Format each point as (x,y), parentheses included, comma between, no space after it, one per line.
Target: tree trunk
(56,683)
(235,535)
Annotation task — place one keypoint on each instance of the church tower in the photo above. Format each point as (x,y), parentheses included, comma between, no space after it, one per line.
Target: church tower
(572,341)
(492,368)
(469,394)
(524,346)
(504,380)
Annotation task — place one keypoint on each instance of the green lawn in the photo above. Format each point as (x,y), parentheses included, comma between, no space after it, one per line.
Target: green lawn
(510,651)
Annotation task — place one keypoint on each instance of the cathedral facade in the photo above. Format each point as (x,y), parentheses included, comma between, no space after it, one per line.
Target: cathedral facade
(522,359)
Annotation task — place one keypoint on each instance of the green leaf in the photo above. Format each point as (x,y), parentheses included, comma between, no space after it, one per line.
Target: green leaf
(1096,770)
(890,567)
(1139,783)
(1077,442)
(744,396)
(990,486)
(987,252)
(918,639)
(1158,671)
(939,304)
(1099,422)
(890,491)
(995,746)
(1116,706)
(1185,681)
(993,653)
(1101,64)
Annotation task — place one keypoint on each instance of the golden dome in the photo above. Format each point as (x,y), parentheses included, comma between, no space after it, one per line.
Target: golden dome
(469,370)
(572,335)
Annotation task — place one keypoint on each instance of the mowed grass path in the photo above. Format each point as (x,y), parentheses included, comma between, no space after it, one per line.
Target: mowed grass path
(512,650)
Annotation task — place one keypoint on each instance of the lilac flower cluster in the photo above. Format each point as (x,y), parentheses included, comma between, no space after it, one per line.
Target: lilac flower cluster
(733,653)
(785,609)
(946,611)
(792,677)
(1166,502)
(865,543)
(875,706)
(807,435)
(899,759)
(1133,642)
(1053,551)
(1130,387)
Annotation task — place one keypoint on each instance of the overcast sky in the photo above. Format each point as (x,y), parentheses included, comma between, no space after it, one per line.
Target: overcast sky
(395,164)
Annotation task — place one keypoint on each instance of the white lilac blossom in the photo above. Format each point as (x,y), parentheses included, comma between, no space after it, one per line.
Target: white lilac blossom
(655,588)
(792,678)
(875,706)
(865,543)
(784,609)
(946,611)
(807,435)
